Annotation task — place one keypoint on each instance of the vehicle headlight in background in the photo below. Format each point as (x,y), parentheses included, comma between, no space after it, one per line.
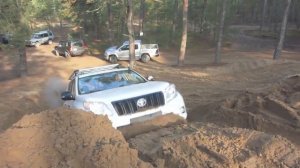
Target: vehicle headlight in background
(106,53)
(170,92)
(97,108)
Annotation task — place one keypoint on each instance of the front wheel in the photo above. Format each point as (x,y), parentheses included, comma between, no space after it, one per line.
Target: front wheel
(37,44)
(56,53)
(145,58)
(113,59)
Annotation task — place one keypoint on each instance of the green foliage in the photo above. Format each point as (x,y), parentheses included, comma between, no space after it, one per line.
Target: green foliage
(12,21)
(92,16)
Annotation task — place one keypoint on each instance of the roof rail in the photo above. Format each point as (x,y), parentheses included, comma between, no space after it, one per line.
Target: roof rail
(93,69)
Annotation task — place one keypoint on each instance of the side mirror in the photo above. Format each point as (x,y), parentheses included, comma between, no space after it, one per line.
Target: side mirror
(67,96)
(150,78)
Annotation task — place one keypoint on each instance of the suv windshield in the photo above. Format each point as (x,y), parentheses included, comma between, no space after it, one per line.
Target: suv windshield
(36,36)
(109,80)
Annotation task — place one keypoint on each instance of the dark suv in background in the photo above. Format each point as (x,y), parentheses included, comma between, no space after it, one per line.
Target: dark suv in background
(4,38)
(70,48)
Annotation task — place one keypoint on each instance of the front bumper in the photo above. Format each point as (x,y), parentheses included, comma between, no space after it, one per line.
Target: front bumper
(30,43)
(106,56)
(175,106)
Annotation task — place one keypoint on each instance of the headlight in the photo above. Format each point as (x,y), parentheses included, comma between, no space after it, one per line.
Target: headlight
(170,92)
(105,53)
(97,108)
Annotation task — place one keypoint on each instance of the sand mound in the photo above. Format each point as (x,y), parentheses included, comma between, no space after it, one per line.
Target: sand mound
(276,111)
(65,138)
(206,145)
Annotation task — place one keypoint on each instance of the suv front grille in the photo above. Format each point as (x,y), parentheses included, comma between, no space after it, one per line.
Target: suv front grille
(146,102)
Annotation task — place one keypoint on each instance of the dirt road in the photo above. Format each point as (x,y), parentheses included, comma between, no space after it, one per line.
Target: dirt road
(248,90)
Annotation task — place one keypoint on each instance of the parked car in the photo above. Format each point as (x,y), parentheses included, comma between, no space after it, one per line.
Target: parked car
(70,48)
(143,52)
(42,37)
(122,94)
(4,38)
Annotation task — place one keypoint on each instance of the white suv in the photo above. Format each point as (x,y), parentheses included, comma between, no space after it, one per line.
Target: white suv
(42,37)
(122,94)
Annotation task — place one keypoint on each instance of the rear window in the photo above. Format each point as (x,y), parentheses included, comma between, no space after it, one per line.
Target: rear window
(78,44)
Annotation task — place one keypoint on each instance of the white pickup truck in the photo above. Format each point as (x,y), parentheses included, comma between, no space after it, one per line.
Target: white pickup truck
(143,52)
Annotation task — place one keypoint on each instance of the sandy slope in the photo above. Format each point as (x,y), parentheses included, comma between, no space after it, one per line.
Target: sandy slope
(65,138)
(207,145)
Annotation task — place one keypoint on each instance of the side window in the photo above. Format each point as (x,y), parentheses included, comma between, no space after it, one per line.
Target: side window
(50,33)
(126,47)
(136,47)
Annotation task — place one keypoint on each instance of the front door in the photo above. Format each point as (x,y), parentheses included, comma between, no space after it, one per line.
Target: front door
(72,89)
(123,53)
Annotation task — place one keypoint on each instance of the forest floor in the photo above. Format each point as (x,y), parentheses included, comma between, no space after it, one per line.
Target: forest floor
(244,112)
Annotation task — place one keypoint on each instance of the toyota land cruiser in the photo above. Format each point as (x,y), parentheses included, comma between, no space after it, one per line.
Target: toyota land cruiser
(122,94)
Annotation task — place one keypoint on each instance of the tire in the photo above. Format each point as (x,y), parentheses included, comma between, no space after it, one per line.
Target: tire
(67,54)
(37,44)
(145,58)
(50,42)
(113,59)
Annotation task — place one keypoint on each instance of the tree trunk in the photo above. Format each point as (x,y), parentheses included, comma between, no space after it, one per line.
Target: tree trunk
(297,13)
(23,62)
(130,33)
(202,19)
(184,32)
(262,23)
(96,27)
(277,51)
(215,27)
(109,25)
(61,28)
(221,31)
(142,16)
(174,22)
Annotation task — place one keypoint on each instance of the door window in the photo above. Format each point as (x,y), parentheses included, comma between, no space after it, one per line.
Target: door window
(45,35)
(125,47)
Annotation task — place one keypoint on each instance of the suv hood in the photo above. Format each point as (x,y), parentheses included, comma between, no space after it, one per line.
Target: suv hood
(125,92)
(111,49)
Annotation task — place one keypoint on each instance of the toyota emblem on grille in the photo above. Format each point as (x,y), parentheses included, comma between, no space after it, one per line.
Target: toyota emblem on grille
(141,102)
